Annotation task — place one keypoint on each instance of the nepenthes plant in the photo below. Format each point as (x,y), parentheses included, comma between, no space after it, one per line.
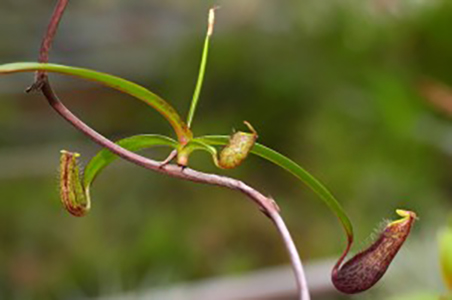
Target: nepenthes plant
(356,275)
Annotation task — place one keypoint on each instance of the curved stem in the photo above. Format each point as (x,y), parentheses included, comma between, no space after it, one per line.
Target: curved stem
(182,130)
(295,169)
(297,266)
(141,93)
(266,204)
(47,42)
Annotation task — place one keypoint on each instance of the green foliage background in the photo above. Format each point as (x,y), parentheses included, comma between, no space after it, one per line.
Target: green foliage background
(334,85)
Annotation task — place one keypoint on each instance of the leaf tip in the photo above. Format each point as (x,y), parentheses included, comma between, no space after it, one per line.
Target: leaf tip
(211,21)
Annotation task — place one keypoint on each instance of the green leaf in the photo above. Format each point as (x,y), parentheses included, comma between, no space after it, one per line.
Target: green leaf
(202,68)
(205,143)
(75,194)
(421,295)
(296,170)
(195,145)
(445,248)
(133,143)
(183,132)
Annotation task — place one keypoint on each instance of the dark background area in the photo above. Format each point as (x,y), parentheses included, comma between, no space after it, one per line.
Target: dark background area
(357,92)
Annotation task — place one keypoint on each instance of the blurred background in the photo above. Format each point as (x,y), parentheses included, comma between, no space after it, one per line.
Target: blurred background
(358,92)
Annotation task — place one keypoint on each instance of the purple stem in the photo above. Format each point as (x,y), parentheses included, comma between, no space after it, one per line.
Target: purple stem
(266,204)
(46,44)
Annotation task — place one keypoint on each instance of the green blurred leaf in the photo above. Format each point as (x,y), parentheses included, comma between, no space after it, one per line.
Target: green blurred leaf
(445,249)
(296,170)
(419,296)
(183,132)
(202,69)
(133,143)
(195,145)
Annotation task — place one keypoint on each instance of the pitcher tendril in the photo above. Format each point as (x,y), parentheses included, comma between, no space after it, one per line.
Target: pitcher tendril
(366,268)
(74,196)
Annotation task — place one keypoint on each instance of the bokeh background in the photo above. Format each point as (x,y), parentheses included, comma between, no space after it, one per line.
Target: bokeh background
(358,92)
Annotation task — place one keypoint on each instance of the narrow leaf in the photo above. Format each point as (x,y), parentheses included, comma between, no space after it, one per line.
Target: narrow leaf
(133,143)
(445,248)
(202,67)
(194,145)
(183,132)
(296,170)
(75,193)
